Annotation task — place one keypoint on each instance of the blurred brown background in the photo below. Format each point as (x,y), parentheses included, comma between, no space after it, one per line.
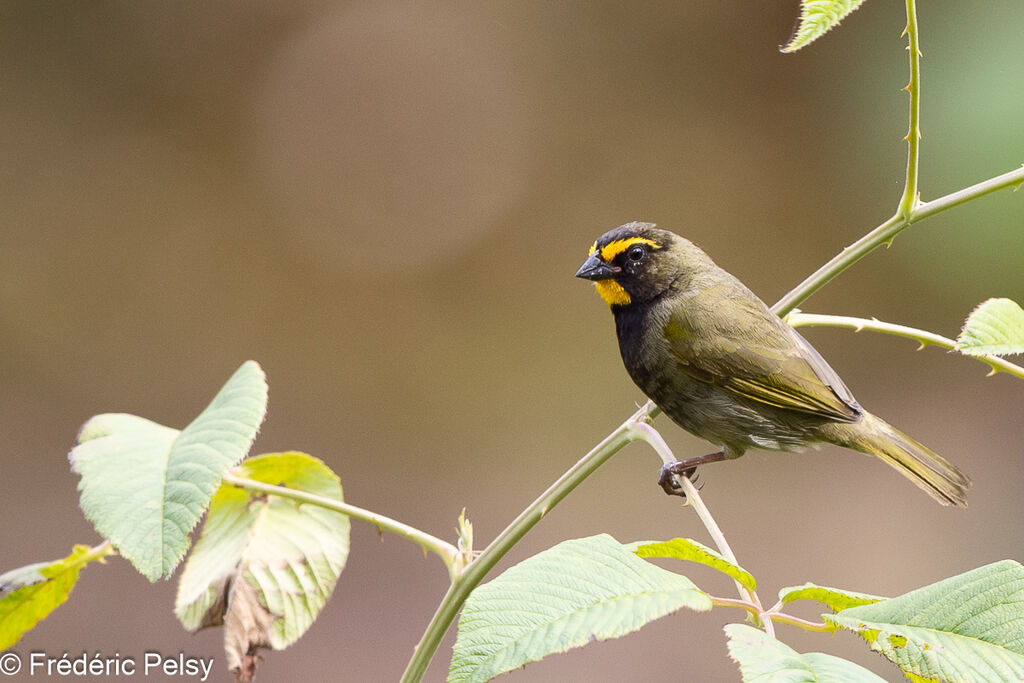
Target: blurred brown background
(384,204)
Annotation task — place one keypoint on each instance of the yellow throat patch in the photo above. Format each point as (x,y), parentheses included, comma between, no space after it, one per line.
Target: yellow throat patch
(610,290)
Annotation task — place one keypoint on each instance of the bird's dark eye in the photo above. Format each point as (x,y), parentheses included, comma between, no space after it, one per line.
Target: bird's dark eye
(635,253)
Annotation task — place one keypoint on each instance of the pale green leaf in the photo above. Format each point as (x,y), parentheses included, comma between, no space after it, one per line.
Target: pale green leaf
(145,486)
(995,327)
(562,598)
(764,659)
(28,594)
(966,628)
(836,598)
(265,565)
(691,550)
(818,17)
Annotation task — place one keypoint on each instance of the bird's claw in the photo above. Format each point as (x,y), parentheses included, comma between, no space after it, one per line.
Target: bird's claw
(669,472)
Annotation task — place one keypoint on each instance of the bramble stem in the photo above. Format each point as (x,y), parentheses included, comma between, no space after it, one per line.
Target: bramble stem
(651,435)
(925,338)
(911,195)
(445,550)
(910,208)
(475,571)
(885,233)
(909,211)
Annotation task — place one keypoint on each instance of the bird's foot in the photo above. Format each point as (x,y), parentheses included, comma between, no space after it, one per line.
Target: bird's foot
(669,472)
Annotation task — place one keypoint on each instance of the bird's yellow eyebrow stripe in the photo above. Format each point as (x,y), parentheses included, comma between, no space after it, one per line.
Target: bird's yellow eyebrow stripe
(613,249)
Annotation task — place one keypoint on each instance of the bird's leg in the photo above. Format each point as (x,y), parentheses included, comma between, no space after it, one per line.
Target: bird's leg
(685,468)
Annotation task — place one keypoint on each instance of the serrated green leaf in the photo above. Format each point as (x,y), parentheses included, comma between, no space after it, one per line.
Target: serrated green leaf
(29,594)
(691,550)
(562,598)
(836,598)
(145,486)
(995,327)
(265,565)
(764,659)
(818,17)
(966,628)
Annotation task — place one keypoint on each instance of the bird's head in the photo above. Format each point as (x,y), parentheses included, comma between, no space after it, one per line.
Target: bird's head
(634,263)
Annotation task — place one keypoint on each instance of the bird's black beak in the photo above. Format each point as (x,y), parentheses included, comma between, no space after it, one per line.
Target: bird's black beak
(596,269)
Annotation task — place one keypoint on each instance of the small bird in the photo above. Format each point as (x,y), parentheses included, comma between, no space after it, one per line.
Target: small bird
(725,368)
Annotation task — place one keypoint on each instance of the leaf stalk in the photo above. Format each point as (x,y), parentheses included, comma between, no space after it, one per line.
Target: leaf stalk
(446,551)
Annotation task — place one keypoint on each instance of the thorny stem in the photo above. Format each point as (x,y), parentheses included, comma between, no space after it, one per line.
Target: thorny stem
(445,550)
(886,232)
(910,210)
(464,583)
(654,439)
(925,338)
(911,195)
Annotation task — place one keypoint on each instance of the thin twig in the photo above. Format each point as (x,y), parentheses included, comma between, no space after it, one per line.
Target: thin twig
(925,338)
(651,435)
(806,625)
(445,550)
(886,232)
(771,615)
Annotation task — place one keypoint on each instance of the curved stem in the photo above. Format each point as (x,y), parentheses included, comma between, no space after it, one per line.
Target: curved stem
(755,610)
(802,623)
(885,233)
(651,435)
(1012,178)
(925,338)
(771,615)
(476,570)
(445,550)
(911,195)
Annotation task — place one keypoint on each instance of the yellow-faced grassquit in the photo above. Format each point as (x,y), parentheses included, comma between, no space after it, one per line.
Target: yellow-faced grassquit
(718,362)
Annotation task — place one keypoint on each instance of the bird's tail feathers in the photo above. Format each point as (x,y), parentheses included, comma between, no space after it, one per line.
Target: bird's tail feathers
(930,471)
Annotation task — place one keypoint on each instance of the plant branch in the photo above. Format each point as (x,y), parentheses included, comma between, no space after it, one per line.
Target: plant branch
(925,338)
(771,615)
(648,433)
(911,195)
(464,583)
(755,610)
(806,625)
(445,550)
(885,233)
(910,210)
(1012,178)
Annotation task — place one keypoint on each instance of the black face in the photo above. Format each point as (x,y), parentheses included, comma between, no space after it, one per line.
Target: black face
(630,264)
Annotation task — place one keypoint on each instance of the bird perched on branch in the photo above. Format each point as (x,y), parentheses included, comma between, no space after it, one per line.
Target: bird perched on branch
(722,366)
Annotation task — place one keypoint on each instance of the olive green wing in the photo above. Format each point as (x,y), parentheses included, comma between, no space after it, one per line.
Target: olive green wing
(748,351)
